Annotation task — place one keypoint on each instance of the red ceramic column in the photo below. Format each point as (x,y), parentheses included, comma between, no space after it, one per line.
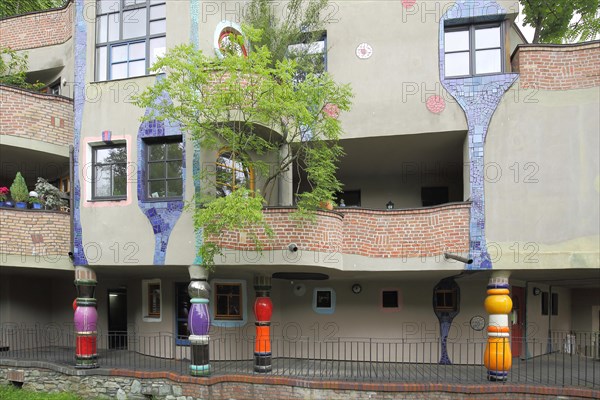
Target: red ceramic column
(263,309)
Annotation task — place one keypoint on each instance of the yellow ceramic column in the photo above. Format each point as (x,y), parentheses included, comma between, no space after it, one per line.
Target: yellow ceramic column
(498,358)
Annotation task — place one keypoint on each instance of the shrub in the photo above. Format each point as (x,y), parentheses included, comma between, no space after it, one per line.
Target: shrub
(18,189)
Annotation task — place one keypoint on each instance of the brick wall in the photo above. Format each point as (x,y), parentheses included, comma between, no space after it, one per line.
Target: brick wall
(32,232)
(411,233)
(38,29)
(38,116)
(558,67)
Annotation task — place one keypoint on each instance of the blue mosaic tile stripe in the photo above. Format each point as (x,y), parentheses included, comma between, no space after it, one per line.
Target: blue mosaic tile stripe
(78,102)
(195,40)
(163,215)
(478,97)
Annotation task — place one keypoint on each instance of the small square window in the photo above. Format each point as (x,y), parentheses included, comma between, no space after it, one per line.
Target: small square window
(445,300)
(228,301)
(109,172)
(389,299)
(324,300)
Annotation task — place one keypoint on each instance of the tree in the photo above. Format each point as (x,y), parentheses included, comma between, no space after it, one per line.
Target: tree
(9,8)
(552,20)
(252,107)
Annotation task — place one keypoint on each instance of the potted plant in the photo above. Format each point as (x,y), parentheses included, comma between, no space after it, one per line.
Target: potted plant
(3,195)
(49,195)
(19,192)
(36,203)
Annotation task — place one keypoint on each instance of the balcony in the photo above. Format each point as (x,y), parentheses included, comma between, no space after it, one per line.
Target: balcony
(375,234)
(37,29)
(35,238)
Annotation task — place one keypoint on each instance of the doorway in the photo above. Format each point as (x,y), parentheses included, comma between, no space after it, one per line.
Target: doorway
(117,318)
(518,321)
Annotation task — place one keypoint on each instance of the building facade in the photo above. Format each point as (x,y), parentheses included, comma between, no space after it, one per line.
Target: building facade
(462,140)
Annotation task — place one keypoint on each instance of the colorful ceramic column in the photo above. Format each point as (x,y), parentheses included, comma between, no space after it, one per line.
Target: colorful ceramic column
(85,319)
(497,357)
(199,321)
(263,309)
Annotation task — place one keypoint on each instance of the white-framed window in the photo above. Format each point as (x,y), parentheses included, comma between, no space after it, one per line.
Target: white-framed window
(130,36)
(473,50)
(152,300)
(109,172)
(310,51)
(228,303)
(324,300)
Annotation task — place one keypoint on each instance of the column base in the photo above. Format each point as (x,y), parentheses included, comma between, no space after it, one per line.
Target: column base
(200,370)
(86,362)
(497,376)
(262,363)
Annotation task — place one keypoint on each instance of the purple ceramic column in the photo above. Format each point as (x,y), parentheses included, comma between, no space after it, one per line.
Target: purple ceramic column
(85,319)
(199,324)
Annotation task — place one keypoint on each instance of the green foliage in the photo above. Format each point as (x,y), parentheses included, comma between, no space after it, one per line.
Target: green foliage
(12,393)
(300,21)
(552,19)
(16,7)
(13,69)
(49,195)
(253,107)
(18,189)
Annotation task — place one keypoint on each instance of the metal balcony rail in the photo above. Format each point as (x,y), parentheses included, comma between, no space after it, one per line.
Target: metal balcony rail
(563,359)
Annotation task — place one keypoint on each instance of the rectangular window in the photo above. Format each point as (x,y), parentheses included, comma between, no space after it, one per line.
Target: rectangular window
(473,50)
(182,308)
(153,307)
(130,36)
(544,303)
(109,172)
(445,300)
(389,299)
(164,168)
(228,301)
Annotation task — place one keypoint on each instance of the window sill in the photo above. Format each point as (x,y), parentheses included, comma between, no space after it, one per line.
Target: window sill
(162,199)
(126,79)
(108,199)
(152,319)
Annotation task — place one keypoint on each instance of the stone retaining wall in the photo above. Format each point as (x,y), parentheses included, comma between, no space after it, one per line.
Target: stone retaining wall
(122,385)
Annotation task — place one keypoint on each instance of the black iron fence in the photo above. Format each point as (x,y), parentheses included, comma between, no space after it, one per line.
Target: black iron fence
(562,358)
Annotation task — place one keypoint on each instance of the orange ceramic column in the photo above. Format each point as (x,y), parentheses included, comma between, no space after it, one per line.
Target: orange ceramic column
(498,358)
(263,309)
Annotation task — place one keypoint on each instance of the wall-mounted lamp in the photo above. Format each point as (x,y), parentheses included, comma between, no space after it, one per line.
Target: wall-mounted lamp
(389,205)
(537,291)
(293,247)
(458,258)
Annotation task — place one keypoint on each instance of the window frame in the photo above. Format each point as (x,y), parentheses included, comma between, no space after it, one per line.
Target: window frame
(332,298)
(322,37)
(161,140)
(251,177)
(446,308)
(147,315)
(110,44)
(229,317)
(471,28)
(94,180)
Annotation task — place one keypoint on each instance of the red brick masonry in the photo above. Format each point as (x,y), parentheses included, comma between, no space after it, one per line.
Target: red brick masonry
(558,67)
(34,232)
(37,116)
(422,232)
(38,29)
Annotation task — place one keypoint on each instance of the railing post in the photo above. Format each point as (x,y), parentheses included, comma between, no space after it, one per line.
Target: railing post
(85,319)
(497,356)
(263,310)
(199,321)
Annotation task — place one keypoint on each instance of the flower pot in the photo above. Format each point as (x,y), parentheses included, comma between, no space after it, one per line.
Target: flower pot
(9,204)
(36,206)
(21,204)
(2,203)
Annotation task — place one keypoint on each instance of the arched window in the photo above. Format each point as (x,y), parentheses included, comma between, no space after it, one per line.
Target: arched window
(232,173)
(227,44)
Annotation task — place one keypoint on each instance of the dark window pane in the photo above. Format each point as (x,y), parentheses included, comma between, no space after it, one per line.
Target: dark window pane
(323,299)
(439,299)
(234,305)
(554,303)
(156,189)
(156,170)
(175,151)
(222,305)
(174,169)
(182,330)
(120,180)
(390,299)
(545,303)
(174,188)
(156,152)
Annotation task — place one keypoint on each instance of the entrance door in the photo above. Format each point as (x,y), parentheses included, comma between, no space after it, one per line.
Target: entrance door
(117,318)
(518,320)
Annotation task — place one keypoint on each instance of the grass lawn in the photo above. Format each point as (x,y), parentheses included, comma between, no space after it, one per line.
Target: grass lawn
(11,393)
